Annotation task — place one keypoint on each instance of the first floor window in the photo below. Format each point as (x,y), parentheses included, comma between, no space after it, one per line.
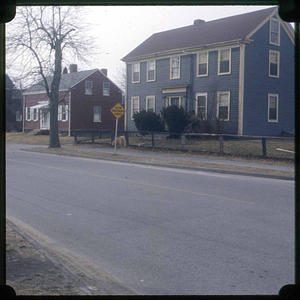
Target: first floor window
(175,67)
(201,105)
(150,103)
(28,114)
(135,106)
(106,88)
(97,113)
(224,61)
(274,64)
(223,106)
(35,114)
(18,116)
(63,113)
(89,87)
(173,101)
(272,108)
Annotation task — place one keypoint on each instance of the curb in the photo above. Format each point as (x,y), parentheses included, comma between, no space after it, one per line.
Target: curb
(203,169)
(57,264)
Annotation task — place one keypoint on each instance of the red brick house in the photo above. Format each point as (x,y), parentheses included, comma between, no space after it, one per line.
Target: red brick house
(85,101)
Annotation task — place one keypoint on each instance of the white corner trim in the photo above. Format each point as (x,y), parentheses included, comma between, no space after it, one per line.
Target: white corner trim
(241,89)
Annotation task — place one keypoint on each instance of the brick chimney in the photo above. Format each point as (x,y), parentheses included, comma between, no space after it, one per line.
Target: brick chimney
(73,68)
(104,71)
(198,22)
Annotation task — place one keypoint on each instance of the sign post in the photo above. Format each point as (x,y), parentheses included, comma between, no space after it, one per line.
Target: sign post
(118,111)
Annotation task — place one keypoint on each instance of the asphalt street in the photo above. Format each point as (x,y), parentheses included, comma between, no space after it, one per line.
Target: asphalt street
(160,230)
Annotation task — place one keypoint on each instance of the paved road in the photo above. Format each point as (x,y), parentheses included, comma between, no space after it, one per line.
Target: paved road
(159,230)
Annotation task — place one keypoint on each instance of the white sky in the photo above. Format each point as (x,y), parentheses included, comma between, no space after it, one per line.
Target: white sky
(120,29)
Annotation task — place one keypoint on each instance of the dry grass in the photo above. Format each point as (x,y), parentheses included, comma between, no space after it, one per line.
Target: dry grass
(30,139)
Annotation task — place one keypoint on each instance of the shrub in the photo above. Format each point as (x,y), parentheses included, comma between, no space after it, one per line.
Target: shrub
(148,121)
(175,118)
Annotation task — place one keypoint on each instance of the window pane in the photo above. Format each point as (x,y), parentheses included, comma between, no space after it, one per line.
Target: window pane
(224,66)
(273,57)
(175,72)
(175,101)
(201,100)
(175,61)
(223,112)
(273,69)
(274,26)
(136,67)
(202,57)
(272,114)
(151,75)
(224,54)
(136,76)
(202,70)
(274,37)
(151,65)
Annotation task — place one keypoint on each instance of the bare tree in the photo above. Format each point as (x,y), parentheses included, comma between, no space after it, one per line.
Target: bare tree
(38,40)
(120,78)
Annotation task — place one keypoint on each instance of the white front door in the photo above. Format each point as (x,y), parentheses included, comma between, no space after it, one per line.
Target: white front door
(45,119)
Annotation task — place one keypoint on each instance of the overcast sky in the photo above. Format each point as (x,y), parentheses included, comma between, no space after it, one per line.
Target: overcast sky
(120,29)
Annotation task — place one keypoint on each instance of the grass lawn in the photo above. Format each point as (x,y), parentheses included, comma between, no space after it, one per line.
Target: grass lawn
(27,138)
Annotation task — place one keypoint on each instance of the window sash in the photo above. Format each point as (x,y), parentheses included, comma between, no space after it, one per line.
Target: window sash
(97,113)
(175,67)
(134,106)
(106,88)
(88,87)
(150,103)
(28,114)
(224,61)
(136,72)
(151,70)
(223,106)
(201,106)
(273,108)
(202,63)
(274,64)
(274,32)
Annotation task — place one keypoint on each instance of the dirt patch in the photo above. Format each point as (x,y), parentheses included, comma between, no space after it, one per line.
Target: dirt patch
(160,161)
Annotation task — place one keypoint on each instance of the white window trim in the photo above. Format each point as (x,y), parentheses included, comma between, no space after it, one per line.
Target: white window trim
(148,80)
(207,53)
(138,81)
(100,114)
(196,104)
(278,32)
(147,97)
(168,100)
(278,68)
(138,98)
(218,102)
(277,105)
(85,87)
(105,89)
(171,67)
(36,118)
(28,114)
(219,61)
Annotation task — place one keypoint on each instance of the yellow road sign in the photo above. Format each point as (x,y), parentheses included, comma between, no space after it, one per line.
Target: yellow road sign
(118,110)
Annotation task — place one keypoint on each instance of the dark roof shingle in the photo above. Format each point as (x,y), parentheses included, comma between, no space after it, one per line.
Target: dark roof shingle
(217,31)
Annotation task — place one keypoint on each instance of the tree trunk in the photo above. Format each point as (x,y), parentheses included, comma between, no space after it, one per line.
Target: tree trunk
(53,136)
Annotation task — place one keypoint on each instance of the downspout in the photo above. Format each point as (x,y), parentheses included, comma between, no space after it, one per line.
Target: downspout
(69,113)
(126,91)
(23,117)
(191,81)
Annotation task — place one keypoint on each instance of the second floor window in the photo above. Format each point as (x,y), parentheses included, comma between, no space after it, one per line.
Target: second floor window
(175,67)
(106,88)
(224,61)
(88,87)
(202,64)
(151,70)
(136,72)
(274,64)
(274,32)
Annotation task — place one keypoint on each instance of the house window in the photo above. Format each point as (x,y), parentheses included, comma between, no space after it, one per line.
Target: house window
(97,113)
(136,72)
(201,105)
(274,64)
(272,108)
(274,32)
(151,70)
(224,62)
(106,88)
(175,67)
(173,101)
(35,114)
(63,113)
(150,103)
(202,64)
(28,114)
(135,106)
(223,106)
(18,116)
(88,87)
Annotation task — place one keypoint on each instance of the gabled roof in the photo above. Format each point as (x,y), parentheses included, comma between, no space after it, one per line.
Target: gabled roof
(66,82)
(198,35)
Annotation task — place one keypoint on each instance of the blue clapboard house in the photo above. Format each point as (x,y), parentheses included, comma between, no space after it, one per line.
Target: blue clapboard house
(238,70)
